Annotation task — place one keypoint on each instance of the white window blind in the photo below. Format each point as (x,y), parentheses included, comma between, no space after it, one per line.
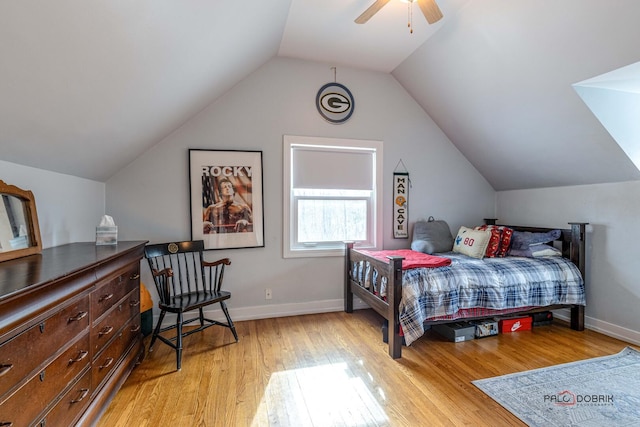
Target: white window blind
(332,168)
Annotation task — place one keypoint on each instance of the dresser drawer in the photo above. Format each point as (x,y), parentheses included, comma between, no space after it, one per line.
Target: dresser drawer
(111,290)
(109,358)
(111,324)
(36,394)
(27,351)
(71,405)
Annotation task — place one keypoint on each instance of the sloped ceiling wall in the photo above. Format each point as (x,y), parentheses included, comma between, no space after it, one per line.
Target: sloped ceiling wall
(497,80)
(87,86)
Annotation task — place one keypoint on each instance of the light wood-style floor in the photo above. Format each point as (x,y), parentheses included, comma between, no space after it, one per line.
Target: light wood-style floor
(334,370)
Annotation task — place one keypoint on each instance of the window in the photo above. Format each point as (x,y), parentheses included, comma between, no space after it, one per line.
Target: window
(332,193)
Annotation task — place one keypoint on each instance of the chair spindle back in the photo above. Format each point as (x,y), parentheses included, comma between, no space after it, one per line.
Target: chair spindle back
(188,272)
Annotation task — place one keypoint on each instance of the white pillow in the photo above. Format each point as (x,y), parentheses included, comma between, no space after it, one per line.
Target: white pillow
(472,242)
(541,250)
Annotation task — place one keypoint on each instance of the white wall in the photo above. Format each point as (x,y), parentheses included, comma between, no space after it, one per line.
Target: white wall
(69,208)
(612,210)
(150,197)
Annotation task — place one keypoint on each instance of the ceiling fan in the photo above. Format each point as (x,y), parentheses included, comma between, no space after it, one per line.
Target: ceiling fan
(429,8)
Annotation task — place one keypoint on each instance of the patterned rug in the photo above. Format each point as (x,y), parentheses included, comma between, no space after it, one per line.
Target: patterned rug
(604,391)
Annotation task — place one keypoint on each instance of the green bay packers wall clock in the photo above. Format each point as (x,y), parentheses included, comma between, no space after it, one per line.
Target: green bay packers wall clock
(335,103)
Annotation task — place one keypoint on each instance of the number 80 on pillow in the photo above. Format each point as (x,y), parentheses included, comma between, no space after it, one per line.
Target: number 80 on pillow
(471,242)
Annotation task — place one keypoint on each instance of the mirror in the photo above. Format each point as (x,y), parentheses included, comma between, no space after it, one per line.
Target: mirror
(19,229)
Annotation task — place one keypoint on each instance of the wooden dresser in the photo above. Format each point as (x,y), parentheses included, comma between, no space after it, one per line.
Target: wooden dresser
(69,332)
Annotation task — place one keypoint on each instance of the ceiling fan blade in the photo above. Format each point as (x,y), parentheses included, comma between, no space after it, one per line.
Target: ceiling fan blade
(372,10)
(430,10)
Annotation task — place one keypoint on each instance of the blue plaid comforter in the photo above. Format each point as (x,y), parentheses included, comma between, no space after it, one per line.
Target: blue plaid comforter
(494,283)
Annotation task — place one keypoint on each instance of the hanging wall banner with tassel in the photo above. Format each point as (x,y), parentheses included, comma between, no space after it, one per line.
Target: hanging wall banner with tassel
(400,205)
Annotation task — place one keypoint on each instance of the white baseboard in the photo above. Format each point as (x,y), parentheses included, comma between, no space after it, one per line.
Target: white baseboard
(603,327)
(268,311)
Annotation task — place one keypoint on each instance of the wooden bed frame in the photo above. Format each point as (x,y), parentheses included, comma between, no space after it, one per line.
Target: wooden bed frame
(572,243)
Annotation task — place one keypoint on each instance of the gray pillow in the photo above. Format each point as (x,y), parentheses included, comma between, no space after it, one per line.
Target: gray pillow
(432,236)
(521,240)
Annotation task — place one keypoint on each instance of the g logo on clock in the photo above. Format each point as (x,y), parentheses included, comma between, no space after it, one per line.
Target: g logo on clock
(335,103)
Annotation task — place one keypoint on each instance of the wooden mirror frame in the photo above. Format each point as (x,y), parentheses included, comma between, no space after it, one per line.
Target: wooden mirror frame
(31,217)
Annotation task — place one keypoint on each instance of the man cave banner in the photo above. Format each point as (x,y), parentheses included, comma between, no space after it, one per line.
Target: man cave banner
(226,198)
(400,205)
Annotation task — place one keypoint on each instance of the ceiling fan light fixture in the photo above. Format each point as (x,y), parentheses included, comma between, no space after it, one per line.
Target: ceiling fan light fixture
(429,9)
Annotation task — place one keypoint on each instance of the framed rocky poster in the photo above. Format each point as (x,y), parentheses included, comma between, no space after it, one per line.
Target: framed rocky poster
(226,198)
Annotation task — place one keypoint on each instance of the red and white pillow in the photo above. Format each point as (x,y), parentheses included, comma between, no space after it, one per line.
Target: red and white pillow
(500,240)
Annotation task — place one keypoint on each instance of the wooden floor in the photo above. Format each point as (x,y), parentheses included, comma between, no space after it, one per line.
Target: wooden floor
(334,370)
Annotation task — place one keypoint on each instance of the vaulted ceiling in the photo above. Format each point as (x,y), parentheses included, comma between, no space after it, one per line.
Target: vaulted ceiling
(87,86)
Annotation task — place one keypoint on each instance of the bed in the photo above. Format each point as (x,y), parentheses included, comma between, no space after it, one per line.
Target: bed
(413,297)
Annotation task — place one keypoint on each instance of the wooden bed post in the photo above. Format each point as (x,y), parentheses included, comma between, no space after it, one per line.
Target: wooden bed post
(577,255)
(394,295)
(348,294)
(387,308)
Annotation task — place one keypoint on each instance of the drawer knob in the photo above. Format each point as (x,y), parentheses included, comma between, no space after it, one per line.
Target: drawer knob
(78,317)
(134,303)
(6,423)
(4,369)
(79,357)
(104,298)
(107,363)
(134,276)
(135,328)
(105,331)
(83,394)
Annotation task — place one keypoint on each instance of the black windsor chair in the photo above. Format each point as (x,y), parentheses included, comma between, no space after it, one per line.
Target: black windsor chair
(186,282)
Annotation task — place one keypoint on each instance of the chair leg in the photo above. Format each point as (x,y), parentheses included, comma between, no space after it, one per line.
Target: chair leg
(179,342)
(229,321)
(201,316)
(156,331)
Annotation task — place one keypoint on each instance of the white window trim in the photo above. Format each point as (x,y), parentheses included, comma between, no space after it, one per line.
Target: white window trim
(377,217)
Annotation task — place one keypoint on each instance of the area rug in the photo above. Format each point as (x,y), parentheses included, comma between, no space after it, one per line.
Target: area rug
(604,391)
